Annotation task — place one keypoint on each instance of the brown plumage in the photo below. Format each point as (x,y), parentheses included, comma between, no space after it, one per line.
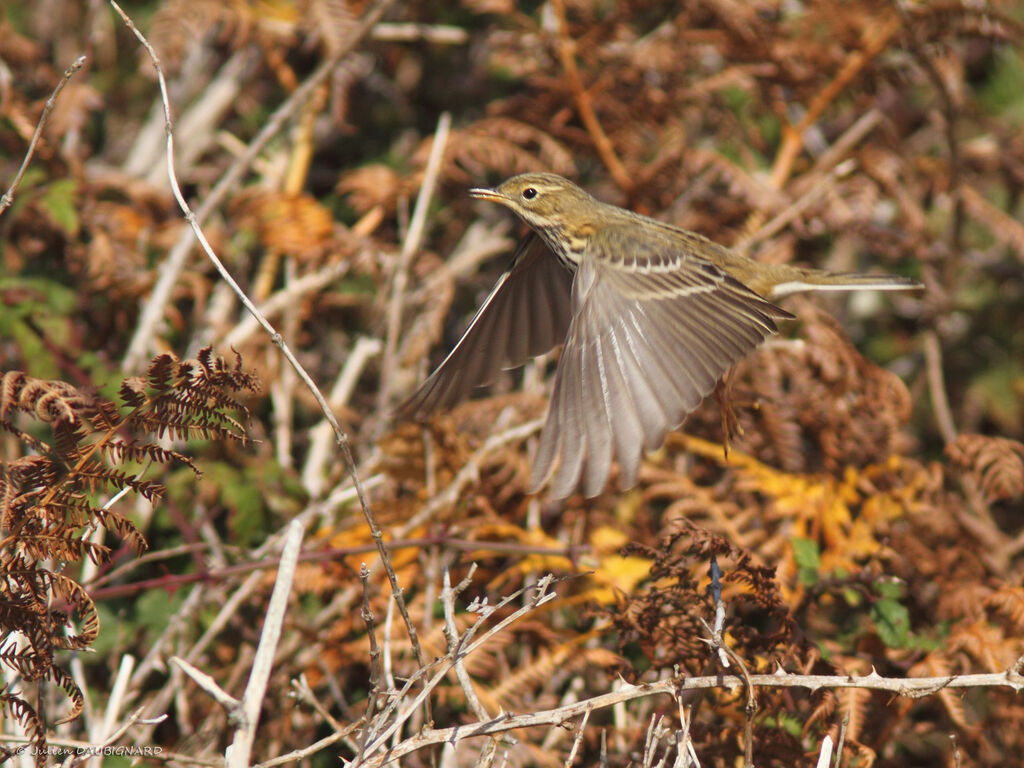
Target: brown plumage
(650,316)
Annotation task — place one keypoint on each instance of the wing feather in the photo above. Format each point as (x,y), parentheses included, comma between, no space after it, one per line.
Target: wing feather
(526,314)
(649,339)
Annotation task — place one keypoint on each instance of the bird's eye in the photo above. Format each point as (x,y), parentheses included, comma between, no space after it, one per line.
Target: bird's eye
(529,193)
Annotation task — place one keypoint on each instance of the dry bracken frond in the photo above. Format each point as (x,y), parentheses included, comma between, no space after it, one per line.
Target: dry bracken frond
(996,463)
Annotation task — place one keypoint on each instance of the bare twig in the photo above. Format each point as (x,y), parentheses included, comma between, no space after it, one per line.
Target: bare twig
(8,197)
(451,633)
(937,386)
(842,739)
(371,630)
(207,683)
(469,473)
(410,245)
(793,135)
(584,106)
(825,753)
(578,740)
(237,754)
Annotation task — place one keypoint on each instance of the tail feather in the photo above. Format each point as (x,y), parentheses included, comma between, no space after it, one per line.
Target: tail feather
(838,281)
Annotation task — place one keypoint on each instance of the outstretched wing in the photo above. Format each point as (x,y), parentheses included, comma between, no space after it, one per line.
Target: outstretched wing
(654,327)
(526,314)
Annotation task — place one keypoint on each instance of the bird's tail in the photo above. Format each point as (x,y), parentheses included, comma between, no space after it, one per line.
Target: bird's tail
(820,280)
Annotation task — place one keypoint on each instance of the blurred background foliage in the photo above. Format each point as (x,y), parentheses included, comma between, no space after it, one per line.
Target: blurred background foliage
(869,514)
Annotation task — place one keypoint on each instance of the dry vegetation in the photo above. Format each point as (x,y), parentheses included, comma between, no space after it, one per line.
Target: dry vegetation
(864,533)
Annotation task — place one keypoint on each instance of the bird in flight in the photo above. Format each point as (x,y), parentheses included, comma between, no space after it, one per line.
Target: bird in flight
(650,317)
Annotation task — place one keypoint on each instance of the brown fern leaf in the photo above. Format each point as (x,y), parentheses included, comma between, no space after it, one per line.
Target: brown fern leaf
(824,395)
(996,463)
(46,500)
(937,665)
(14,707)
(500,146)
(187,398)
(1009,601)
(296,224)
(49,401)
(123,527)
(853,703)
(70,687)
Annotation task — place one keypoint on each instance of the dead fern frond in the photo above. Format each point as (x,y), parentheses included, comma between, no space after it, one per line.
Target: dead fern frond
(503,146)
(47,500)
(15,708)
(996,463)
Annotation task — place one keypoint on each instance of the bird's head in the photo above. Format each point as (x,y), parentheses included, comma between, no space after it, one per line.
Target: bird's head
(542,200)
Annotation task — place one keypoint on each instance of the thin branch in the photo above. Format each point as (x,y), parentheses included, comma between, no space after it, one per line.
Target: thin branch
(911,687)
(451,634)
(937,386)
(237,754)
(410,246)
(8,197)
(566,55)
(793,135)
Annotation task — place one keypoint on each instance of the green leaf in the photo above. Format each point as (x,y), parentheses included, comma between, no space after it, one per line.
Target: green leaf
(808,560)
(60,202)
(890,617)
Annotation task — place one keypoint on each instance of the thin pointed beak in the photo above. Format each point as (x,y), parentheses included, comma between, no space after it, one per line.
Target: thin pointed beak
(481,193)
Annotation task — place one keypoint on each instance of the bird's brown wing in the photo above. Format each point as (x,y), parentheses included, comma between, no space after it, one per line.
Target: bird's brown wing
(652,332)
(526,314)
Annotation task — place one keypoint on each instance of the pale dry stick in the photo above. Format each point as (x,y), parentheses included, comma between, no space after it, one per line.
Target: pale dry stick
(840,148)
(304,693)
(792,135)
(577,741)
(487,754)
(237,754)
(651,740)
(798,206)
(98,749)
(318,452)
(312,749)
(154,657)
(825,753)
(686,753)
(442,34)
(8,197)
(282,388)
(366,614)
(950,113)
(174,266)
(451,634)
(540,596)
(842,739)
(286,297)
(469,473)
(207,684)
(410,245)
(197,124)
(154,308)
(584,105)
(163,697)
(114,702)
(937,386)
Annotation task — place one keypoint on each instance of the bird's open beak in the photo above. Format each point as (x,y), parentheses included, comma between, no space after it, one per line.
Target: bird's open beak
(486,194)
